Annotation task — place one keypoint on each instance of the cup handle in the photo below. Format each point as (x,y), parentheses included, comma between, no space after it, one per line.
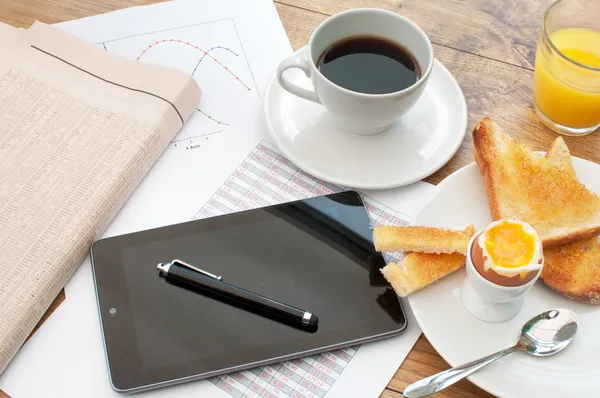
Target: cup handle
(292,88)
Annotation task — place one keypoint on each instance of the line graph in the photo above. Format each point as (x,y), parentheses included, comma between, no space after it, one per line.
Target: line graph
(213,54)
(206,53)
(211,118)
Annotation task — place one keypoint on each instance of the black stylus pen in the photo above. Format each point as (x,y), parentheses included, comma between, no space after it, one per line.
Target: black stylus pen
(194,277)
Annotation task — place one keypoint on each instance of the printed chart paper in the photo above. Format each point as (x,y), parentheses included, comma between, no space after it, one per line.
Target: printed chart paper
(213,54)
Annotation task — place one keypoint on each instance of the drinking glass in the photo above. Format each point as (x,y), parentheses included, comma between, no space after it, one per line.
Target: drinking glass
(566,89)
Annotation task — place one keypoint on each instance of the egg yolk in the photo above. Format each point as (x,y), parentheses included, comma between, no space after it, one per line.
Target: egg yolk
(509,245)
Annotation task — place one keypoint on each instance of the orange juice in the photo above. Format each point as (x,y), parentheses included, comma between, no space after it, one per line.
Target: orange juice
(566,93)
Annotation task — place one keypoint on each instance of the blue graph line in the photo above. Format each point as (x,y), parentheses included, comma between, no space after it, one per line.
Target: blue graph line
(206,53)
(103,45)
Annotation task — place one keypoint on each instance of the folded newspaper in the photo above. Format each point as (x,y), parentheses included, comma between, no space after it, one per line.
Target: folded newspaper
(79,129)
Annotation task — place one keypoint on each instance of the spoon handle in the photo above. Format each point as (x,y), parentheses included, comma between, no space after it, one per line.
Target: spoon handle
(437,382)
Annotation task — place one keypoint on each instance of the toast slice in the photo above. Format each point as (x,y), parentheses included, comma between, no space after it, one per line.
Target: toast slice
(417,270)
(523,185)
(573,269)
(388,238)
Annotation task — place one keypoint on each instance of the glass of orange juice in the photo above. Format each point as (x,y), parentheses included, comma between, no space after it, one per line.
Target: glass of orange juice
(566,87)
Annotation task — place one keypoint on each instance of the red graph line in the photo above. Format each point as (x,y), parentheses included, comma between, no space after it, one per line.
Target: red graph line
(197,48)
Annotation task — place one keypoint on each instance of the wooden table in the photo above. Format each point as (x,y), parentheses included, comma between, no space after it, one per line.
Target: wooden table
(489,47)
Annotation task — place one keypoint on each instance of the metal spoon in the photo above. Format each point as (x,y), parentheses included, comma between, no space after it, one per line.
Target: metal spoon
(546,334)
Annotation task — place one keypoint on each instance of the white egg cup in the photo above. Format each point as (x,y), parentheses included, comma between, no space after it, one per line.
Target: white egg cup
(488,301)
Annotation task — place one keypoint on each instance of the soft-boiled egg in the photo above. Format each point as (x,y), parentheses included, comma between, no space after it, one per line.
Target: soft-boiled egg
(508,253)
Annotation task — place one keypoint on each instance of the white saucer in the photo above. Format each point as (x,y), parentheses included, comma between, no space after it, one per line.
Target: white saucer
(459,337)
(413,148)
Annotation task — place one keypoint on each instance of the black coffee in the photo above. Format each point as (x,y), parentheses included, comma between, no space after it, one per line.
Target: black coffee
(369,64)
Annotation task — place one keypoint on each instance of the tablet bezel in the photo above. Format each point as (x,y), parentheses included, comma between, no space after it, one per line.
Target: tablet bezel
(108,251)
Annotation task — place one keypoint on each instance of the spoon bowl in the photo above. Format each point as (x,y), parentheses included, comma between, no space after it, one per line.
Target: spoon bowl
(548,333)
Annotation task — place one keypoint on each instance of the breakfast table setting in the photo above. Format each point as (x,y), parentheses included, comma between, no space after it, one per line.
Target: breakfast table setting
(482,64)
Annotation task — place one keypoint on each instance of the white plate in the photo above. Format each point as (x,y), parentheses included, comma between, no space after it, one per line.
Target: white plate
(459,337)
(412,149)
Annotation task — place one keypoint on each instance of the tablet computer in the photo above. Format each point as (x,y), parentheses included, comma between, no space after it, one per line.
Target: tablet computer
(316,254)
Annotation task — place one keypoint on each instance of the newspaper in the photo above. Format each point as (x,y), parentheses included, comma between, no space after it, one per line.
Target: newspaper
(79,129)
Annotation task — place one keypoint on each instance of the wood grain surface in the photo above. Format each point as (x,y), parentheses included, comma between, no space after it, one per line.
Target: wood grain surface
(503,30)
(489,47)
(57,301)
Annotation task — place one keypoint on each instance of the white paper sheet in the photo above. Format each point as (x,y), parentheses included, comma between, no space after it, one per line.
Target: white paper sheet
(65,357)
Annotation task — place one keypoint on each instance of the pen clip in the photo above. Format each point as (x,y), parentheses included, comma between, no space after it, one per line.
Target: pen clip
(190,266)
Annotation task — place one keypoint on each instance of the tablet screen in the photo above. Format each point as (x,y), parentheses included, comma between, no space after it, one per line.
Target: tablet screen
(316,255)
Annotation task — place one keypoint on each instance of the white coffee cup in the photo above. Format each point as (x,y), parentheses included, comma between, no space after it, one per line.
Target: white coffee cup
(354,112)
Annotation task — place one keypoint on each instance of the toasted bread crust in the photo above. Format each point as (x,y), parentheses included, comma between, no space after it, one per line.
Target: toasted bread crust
(559,155)
(571,237)
(418,270)
(483,152)
(389,238)
(574,270)
(521,184)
